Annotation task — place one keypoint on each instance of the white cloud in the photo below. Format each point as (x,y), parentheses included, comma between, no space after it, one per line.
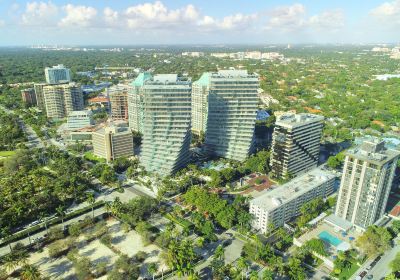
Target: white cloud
(156,15)
(2,23)
(287,17)
(328,20)
(39,13)
(110,16)
(236,21)
(388,12)
(80,16)
(294,18)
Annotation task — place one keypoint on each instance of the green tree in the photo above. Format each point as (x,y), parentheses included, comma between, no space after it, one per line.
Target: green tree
(295,270)
(152,269)
(91,201)
(374,241)
(219,253)
(395,264)
(30,272)
(242,266)
(267,275)
(61,213)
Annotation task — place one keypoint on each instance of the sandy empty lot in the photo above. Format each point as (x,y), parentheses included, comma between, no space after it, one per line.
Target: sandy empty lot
(129,243)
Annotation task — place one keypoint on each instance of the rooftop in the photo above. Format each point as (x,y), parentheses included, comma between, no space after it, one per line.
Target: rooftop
(373,150)
(141,78)
(232,74)
(98,99)
(271,199)
(113,129)
(59,66)
(293,120)
(80,113)
(167,79)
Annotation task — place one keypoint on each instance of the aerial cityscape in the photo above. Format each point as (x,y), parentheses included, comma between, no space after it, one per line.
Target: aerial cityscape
(194,140)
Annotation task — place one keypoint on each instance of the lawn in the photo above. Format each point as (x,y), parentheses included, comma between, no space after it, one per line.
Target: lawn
(93,158)
(347,273)
(178,220)
(6,153)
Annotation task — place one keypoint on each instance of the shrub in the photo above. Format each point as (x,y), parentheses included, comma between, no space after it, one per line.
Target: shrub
(56,233)
(259,181)
(106,240)
(101,269)
(58,249)
(140,256)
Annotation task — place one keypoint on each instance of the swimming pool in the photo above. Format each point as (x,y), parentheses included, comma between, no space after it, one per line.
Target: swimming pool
(327,237)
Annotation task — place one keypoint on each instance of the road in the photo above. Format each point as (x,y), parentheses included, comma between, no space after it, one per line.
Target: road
(34,140)
(381,269)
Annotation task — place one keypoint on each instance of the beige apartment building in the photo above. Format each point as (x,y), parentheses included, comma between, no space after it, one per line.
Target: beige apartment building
(61,99)
(112,142)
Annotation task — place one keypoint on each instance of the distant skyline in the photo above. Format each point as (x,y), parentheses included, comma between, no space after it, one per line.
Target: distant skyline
(91,22)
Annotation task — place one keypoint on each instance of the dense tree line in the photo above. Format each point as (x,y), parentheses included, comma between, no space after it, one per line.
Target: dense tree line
(34,184)
(11,133)
(217,209)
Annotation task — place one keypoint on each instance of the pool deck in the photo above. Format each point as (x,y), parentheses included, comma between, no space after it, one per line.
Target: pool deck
(315,232)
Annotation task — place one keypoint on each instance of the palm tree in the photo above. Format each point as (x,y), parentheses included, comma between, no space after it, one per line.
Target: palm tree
(5,234)
(219,253)
(61,212)
(152,269)
(30,272)
(194,276)
(42,217)
(254,275)
(91,200)
(242,265)
(10,263)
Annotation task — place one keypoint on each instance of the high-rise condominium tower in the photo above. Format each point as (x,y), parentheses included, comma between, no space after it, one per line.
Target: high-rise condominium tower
(119,101)
(295,144)
(61,99)
(38,87)
(135,102)
(166,128)
(57,74)
(224,106)
(366,182)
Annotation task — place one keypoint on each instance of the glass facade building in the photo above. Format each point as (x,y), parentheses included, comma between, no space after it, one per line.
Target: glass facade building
(57,74)
(225,105)
(166,123)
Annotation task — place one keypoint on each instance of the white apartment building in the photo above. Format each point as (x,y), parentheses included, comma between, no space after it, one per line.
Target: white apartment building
(283,203)
(366,182)
(79,119)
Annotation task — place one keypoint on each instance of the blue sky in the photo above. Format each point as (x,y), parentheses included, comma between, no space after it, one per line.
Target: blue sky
(99,22)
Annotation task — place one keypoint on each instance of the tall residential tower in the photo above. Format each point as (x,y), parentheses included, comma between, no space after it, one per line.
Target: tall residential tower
(118,95)
(295,144)
(61,99)
(166,126)
(135,102)
(366,182)
(57,74)
(224,106)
